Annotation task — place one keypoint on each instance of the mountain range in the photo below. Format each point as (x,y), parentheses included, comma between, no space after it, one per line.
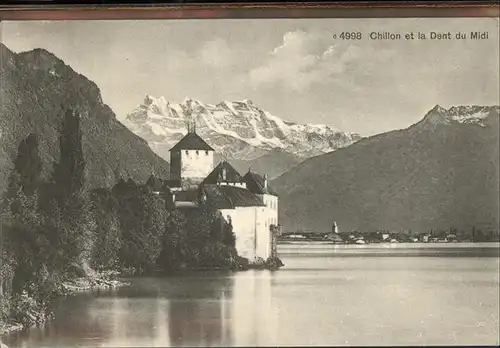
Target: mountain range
(36,88)
(239,131)
(440,173)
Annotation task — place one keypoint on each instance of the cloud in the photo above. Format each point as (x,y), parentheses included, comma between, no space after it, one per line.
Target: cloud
(302,60)
(217,54)
(292,68)
(214,57)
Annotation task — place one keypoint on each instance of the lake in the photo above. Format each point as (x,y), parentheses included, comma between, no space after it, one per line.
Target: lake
(392,294)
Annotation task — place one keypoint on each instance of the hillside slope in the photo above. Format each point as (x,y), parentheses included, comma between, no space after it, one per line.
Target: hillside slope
(274,163)
(439,173)
(35,89)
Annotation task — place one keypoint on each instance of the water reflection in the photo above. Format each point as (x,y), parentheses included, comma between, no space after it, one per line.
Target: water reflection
(319,298)
(198,322)
(184,311)
(138,322)
(252,309)
(197,310)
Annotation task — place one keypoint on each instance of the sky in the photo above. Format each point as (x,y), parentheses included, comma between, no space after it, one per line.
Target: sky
(293,68)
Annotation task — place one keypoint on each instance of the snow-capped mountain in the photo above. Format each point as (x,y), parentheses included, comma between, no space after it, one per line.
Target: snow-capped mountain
(470,114)
(238,130)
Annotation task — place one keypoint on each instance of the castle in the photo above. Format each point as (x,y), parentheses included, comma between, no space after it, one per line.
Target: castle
(246,201)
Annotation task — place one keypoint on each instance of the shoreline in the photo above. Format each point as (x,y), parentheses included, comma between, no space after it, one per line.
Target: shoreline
(303,242)
(89,284)
(108,281)
(72,287)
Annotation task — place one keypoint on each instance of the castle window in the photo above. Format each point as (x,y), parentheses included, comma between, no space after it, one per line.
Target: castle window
(197,152)
(187,152)
(206,152)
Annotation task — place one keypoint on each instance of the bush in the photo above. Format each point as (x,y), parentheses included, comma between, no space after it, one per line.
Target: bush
(107,233)
(27,311)
(141,216)
(4,310)
(237,262)
(274,263)
(198,238)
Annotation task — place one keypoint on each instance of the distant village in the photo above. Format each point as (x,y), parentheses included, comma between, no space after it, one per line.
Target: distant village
(356,237)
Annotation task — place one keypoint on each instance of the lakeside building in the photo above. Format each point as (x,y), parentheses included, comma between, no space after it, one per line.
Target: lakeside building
(246,201)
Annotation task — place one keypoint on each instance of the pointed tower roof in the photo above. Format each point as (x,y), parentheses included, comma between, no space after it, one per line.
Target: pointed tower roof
(223,169)
(192,141)
(256,183)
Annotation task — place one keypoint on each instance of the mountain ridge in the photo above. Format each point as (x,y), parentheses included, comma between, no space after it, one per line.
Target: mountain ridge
(463,114)
(36,89)
(429,175)
(238,130)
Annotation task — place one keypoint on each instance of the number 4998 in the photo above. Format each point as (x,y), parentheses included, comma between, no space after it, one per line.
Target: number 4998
(351,35)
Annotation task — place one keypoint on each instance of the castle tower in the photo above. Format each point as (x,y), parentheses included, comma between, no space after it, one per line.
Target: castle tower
(191,159)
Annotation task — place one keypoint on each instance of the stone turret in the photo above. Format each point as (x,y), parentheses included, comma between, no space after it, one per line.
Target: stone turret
(191,159)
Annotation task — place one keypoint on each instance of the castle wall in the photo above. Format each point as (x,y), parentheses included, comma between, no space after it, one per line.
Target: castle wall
(253,237)
(175,165)
(268,217)
(243,220)
(271,203)
(196,164)
(263,245)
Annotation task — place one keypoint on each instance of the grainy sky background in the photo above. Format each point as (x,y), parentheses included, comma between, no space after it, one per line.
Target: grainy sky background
(291,68)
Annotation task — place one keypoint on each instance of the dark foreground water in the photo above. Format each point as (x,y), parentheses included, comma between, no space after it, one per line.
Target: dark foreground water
(441,294)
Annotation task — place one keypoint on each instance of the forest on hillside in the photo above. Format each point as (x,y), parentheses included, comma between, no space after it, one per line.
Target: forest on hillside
(58,229)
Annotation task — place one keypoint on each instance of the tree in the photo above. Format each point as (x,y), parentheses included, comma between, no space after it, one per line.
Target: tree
(30,249)
(210,237)
(175,245)
(28,164)
(108,236)
(69,174)
(14,187)
(46,228)
(199,233)
(21,218)
(154,183)
(26,174)
(228,238)
(153,228)
(71,218)
(142,222)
